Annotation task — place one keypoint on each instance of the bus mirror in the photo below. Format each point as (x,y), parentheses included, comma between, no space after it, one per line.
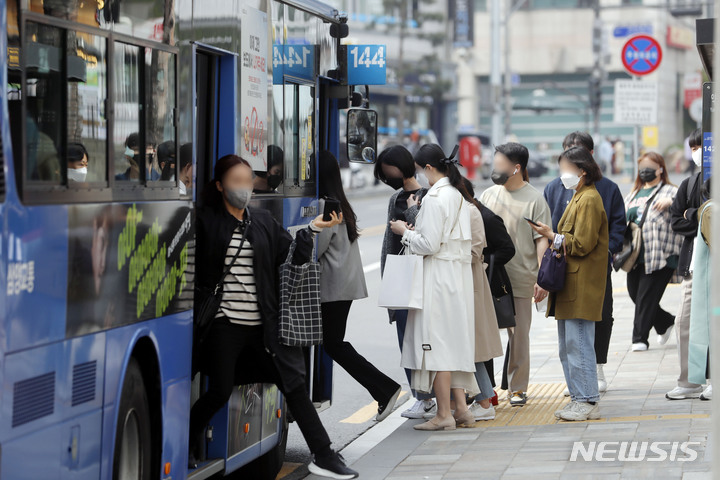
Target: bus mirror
(361,135)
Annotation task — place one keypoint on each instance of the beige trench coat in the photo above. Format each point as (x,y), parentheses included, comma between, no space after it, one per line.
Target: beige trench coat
(487,335)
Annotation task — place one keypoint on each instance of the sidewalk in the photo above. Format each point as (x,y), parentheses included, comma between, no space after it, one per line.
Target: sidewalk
(528,441)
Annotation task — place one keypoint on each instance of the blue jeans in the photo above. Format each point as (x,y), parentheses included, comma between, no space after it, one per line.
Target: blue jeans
(576,339)
(400,317)
(483,380)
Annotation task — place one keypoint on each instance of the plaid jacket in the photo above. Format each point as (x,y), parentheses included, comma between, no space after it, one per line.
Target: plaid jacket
(659,239)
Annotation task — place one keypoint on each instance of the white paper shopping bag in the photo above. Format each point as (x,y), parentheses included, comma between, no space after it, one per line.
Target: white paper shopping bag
(402,283)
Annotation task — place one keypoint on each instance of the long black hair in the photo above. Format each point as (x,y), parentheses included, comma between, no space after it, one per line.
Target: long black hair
(331,186)
(471,194)
(211,196)
(433,155)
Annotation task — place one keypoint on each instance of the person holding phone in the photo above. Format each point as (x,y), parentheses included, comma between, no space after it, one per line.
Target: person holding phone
(583,233)
(342,280)
(396,168)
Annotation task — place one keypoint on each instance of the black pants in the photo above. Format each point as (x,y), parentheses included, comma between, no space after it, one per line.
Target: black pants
(603,328)
(334,316)
(236,352)
(646,291)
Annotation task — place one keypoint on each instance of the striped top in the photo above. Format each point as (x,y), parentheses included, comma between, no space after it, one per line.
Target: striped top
(239,301)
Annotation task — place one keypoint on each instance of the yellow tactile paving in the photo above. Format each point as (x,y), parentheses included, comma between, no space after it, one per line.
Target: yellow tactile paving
(545,398)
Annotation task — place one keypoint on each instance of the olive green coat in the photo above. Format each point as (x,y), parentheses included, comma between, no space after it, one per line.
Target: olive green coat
(585,227)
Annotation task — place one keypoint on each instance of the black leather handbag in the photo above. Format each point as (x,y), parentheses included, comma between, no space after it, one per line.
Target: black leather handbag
(504,305)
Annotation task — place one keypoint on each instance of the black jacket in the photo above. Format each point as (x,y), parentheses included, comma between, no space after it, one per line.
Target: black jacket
(688,198)
(270,243)
(501,246)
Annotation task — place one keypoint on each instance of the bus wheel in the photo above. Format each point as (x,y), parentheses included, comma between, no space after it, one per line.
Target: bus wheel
(133,450)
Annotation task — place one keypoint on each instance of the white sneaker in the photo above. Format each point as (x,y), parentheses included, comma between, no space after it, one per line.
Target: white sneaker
(639,347)
(663,339)
(420,408)
(566,392)
(707,393)
(602,383)
(580,411)
(566,407)
(482,413)
(684,393)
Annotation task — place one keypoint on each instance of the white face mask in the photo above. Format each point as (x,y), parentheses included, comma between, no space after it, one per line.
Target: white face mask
(697,156)
(77,174)
(129,152)
(570,180)
(422,179)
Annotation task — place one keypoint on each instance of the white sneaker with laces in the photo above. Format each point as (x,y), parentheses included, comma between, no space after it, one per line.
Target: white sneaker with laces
(684,393)
(420,408)
(482,413)
(566,407)
(580,411)
(663,339)
(639,347)
(433,413)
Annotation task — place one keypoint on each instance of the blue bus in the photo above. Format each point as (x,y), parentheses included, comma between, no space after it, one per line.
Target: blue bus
(112,117)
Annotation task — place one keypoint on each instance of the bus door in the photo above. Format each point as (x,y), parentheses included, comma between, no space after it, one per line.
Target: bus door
(214,109)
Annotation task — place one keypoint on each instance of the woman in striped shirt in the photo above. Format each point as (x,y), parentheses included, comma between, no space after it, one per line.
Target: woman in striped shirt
(242,344)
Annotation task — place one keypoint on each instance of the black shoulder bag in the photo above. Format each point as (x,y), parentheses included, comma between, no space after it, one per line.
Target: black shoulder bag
(504,305)
(206,311)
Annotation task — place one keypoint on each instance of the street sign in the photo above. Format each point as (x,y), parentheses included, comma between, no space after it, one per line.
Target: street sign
(622,31)
(636,102)
(641,55)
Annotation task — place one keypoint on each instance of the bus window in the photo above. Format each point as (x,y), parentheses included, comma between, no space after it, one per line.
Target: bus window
(160,85)
(45,121)
(86,116)
(129,156)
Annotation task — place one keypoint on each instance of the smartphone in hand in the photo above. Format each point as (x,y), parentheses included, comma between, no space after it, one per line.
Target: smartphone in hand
(331,205)
(532,221)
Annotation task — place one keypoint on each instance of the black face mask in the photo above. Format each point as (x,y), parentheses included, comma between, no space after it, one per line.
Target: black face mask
(274,181)
(499,178)
(647,174)
(394,182)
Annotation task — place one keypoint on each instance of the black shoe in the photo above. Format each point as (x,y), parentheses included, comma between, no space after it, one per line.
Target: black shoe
(192,462)
(331,466)
(385,409)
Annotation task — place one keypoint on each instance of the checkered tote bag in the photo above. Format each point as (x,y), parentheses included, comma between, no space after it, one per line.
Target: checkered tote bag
(300,315)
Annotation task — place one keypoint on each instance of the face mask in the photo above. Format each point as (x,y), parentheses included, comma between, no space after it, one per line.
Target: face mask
(274,181)
(394,182)
(570,180)
(77,174)
(647,174)
(501,178)
(239,197)
(423,180)
(129,152)
(697,156)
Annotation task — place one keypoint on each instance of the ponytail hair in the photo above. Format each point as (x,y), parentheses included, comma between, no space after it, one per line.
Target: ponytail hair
(433,155)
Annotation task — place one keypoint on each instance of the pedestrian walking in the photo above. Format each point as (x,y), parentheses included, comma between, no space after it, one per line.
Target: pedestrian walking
(246,245)
(650,199)
(341,282)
